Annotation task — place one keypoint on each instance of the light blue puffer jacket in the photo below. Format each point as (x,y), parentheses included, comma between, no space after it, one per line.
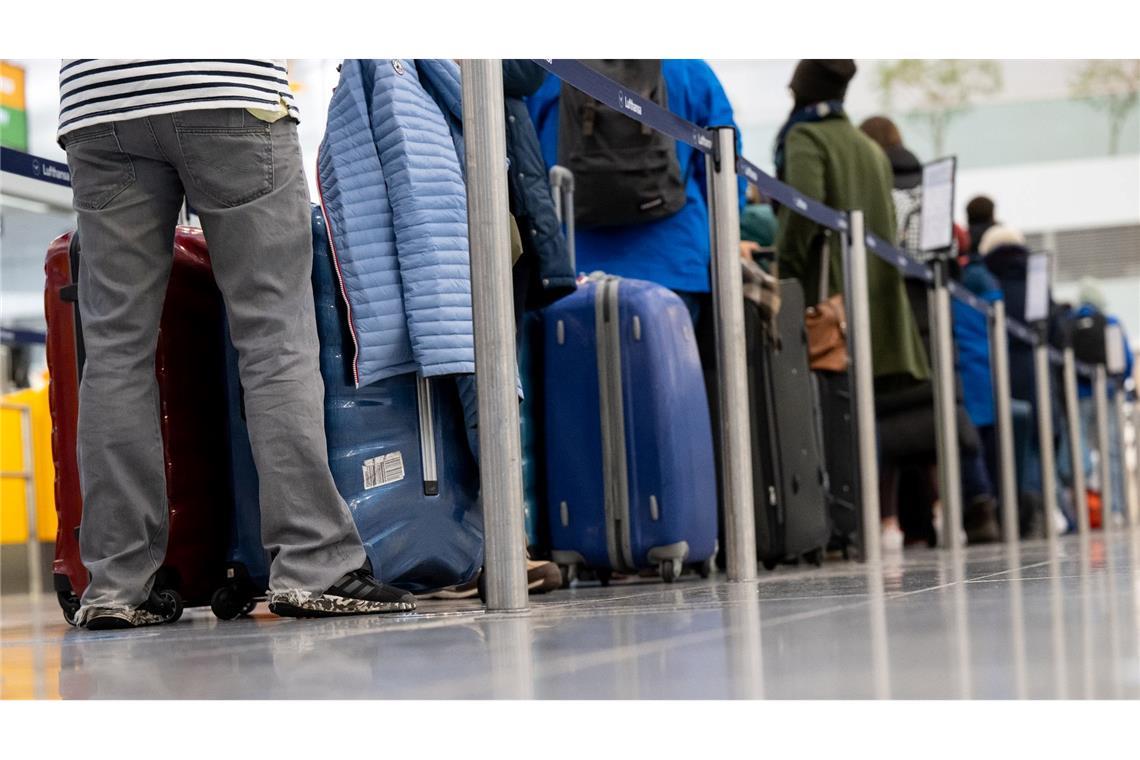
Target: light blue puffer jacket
(391,182)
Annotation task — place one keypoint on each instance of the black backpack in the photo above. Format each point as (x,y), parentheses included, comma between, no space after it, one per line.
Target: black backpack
(624,172)
(1088,336)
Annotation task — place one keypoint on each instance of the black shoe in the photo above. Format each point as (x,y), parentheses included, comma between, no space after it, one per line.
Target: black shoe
(981,521)
(159,608)
(356,593)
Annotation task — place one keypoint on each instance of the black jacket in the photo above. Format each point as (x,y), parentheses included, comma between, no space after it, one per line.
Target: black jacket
(548,275)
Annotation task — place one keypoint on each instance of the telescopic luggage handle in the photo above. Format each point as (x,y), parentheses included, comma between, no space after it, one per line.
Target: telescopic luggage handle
(562,183)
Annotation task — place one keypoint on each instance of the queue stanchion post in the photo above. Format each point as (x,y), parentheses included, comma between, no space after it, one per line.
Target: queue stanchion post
(1044,403)
(735,408)
(945,406)
(1130,506)
(1073,433)
(488,215)
(1103,441)
(862,382)
(1003,421)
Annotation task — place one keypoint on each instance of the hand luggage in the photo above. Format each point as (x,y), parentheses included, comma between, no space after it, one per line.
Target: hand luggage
(247,562)
(531,435)
(190,372)
(789,481)
(399,455)
(630,477)
(840,460)
(626,173)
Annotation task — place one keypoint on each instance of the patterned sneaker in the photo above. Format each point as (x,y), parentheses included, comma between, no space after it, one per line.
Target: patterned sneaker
(356,593)
(159,608)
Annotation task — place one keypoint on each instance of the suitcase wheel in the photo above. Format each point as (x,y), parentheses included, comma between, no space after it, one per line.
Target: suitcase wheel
(705,569)
(69,603)
(569,573)
(171,603)
(671,570)
(604,575)
(230,602)
(770,564)
(815,556)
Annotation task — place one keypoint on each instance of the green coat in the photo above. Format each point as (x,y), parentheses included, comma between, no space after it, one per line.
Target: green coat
(835,163)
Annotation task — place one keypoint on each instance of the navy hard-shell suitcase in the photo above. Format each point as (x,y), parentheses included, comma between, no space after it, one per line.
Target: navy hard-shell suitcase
(247,562)
(398,454)
(630,474)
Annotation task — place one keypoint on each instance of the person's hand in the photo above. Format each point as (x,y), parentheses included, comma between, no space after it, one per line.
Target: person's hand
(749,249)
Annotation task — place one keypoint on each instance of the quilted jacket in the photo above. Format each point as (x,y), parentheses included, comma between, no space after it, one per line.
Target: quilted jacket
(391,182)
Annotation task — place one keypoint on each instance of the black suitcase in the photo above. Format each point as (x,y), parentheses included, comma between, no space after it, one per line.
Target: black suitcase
(837,432)
(789,480)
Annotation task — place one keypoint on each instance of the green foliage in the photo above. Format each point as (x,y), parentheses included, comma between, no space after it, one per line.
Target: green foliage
(943,88)
(1112,86)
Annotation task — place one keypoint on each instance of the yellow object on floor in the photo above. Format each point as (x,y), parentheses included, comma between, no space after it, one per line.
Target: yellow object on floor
(13,499)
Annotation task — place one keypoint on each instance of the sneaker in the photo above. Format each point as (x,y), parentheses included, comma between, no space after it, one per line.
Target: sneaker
(891,541)
(156,610)
(461,591)
(356,593)
(542,576)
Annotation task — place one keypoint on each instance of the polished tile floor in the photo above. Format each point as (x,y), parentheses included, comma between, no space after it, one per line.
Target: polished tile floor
(984,624)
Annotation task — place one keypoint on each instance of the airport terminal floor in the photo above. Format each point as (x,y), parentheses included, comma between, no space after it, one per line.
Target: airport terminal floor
(987,622)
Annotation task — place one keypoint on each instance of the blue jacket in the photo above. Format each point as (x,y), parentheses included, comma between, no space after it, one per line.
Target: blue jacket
(390,173)
(673,251)
(971,335)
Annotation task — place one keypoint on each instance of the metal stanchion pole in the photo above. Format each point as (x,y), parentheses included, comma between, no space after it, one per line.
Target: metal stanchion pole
(35,565)
(1103,441)
(863,383)
(735,406)
(1045,435)
(1073,423)
(1128,508)
(946,407)
(500,460)
(1003,411)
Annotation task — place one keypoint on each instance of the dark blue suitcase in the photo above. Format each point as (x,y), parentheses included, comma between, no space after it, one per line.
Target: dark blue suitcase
(399,455)
(531,434)
(247,563)
(630,473)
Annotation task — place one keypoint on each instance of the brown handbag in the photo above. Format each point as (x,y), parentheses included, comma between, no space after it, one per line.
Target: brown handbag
(826,322)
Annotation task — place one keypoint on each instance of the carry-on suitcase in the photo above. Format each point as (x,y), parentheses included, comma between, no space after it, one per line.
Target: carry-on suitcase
(789,481)
(247,562)
(837,433)
(189,366)
(630,477)
(531,436)
(398,452)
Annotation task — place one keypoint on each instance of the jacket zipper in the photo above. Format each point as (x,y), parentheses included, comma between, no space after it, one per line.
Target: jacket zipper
(340,279)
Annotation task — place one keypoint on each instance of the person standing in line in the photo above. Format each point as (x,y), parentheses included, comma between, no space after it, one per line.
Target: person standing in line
(141,136)
(824,156)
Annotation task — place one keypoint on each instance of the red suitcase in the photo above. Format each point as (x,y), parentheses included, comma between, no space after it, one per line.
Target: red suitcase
(190,367)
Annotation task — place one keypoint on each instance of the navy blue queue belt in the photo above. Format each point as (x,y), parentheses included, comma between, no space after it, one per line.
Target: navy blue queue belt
(611,93)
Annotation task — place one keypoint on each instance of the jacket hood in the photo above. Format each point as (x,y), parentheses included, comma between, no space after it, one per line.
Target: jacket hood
(906,167)
(1008,260)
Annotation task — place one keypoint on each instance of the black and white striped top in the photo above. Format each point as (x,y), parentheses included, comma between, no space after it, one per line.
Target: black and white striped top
(98,90)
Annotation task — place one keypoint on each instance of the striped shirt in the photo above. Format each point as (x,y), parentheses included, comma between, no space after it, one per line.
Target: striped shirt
(99,90)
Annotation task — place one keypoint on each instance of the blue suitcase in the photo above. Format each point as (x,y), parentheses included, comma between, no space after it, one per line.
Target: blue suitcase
(398,453)
(630,473)
(247,563)
(531,435)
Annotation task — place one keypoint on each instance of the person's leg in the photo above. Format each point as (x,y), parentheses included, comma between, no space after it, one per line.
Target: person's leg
(243,176)
(127,199)
(692,302)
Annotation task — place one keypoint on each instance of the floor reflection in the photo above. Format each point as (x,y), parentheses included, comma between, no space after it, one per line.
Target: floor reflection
(984,623)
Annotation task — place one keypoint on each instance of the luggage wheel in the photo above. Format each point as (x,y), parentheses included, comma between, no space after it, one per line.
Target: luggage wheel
(69,603)
(670,570)
(231,601)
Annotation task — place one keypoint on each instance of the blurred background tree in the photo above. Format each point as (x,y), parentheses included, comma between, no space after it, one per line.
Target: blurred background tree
(1112,86)
(939,89)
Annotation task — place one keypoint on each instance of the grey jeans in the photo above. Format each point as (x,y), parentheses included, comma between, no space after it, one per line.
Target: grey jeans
(243,177)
